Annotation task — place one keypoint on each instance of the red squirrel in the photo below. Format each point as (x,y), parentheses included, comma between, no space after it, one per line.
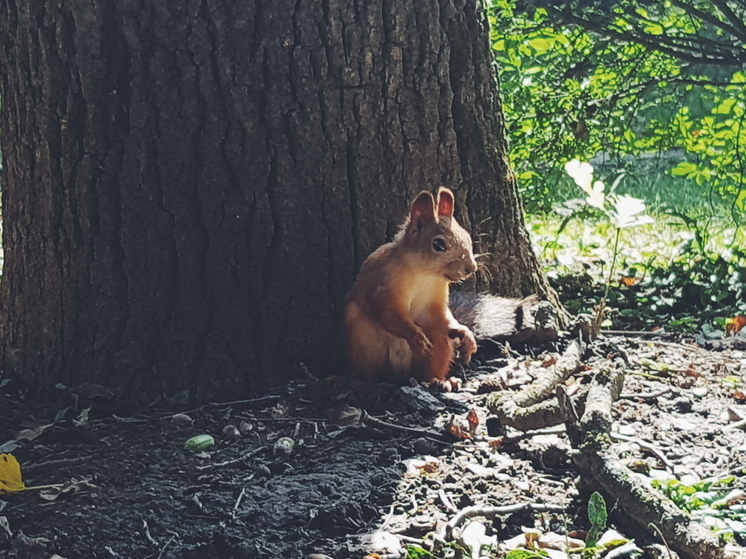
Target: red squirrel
(398,324)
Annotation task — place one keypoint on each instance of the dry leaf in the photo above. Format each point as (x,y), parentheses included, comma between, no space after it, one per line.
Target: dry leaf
(473,420)
(10,474)
(734,325)
(31,434)
(346,417)
(549,361)
(455,429)
(739,396)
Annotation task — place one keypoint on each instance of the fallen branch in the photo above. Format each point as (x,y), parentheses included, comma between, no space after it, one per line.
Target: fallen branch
(645,506)
(602,470)
(446,532)
(521,410)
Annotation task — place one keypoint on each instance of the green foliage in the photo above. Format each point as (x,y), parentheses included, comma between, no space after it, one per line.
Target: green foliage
(597,515)
(713,500)
(591,88)
(692,286)
(416,552)
(684,293)
(526,554)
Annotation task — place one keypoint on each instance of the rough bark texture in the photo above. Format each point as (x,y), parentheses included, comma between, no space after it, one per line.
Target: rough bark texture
(189,187)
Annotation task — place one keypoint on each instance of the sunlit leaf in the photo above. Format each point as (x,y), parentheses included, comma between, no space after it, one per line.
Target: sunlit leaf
(596,196)
(684,169)
(581,173)
(628,212)
(541,44)
(598,515)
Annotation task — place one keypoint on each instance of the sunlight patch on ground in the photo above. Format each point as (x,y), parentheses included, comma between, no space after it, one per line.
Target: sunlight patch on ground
(588,246)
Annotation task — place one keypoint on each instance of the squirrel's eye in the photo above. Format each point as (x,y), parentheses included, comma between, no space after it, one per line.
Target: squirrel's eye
(439,245)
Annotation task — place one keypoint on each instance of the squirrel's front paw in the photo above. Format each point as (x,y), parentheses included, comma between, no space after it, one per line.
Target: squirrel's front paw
(467,344)
(420,344)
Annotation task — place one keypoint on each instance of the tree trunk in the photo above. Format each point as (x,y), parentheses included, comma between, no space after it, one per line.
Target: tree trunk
(189,187)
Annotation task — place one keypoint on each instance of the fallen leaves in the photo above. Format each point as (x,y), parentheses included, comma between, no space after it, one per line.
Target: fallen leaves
(11,479)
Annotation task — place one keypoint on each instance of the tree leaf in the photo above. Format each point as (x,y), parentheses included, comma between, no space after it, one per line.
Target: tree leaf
(684,169)
(581,172)
(597,510)
(627,212)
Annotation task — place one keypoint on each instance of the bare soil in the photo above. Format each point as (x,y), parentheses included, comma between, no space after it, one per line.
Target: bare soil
(351,486)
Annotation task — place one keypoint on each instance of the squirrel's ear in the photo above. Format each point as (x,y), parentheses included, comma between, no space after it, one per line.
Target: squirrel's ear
(423,207)
(445,202)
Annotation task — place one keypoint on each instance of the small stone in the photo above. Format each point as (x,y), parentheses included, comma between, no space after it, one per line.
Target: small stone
(181,419)
(263,471)
(700,391)
(231,433)
(283,446)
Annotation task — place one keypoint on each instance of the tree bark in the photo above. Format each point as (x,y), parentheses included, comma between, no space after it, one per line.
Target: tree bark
(189,187)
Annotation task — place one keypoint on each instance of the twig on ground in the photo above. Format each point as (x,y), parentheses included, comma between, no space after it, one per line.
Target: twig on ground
(655,528)
(647,446)
(446,532)
(413,500)
(370,420)
(678,346)
(521,410)
(232,461)
(163,549)
(737,425)
(554,430)
(646,395)
(388,518)
(446,501)
(238,502)
(409,539)
(641,333)
(281,419)
(146,530)
(260,399)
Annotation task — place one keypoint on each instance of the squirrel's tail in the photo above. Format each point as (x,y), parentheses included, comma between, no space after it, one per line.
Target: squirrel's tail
(526,320)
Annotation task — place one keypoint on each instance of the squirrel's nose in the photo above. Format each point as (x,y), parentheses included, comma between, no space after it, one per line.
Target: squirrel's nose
(471,266)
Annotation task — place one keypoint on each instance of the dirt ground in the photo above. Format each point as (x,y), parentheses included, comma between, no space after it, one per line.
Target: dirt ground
(350,485)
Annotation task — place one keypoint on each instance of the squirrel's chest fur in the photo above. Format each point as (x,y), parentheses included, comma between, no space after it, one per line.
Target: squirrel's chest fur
(426,297)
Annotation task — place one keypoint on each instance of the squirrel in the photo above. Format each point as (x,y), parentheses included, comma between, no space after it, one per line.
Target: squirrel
(399,321)
(398,324)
